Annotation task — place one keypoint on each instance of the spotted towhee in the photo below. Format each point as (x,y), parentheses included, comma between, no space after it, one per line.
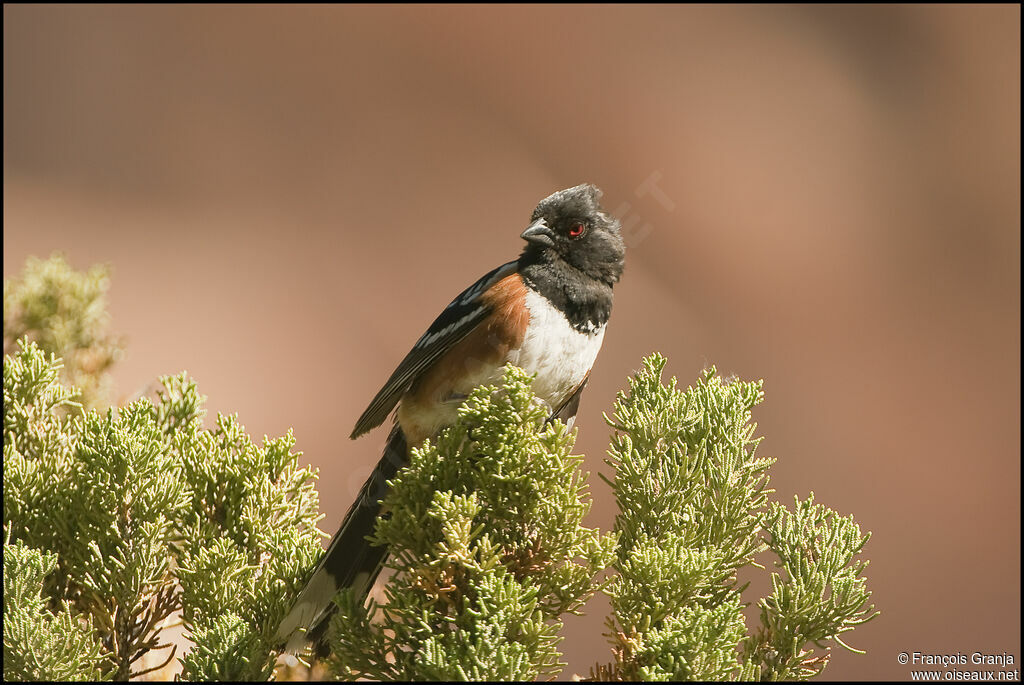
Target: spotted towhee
(545,312)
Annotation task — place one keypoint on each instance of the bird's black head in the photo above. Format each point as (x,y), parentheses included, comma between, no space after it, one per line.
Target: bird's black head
(571,225)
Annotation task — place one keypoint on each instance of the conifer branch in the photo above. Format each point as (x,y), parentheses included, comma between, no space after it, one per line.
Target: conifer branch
(117,519)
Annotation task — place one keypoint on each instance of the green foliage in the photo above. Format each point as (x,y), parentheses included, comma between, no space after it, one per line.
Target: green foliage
(39,645)
(820,593)
(143,514)
(695,643)
(64,312)
(249,536)
(119,521)
(117,527)
(38,447)
(694,509)
(226,648)
(488,550)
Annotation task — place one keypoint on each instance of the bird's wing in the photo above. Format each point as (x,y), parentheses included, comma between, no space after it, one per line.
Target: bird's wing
(567,411)
(458,319)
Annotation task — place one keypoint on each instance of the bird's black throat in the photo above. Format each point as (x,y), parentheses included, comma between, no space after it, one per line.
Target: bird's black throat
(585,301)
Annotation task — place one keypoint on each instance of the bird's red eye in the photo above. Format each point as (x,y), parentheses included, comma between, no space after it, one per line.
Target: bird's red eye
(577,230)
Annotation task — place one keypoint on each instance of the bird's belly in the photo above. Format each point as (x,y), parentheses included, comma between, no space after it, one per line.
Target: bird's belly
(560,355)
(557,354)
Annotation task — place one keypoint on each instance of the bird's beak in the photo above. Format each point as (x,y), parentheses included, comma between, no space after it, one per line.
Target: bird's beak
(538,233)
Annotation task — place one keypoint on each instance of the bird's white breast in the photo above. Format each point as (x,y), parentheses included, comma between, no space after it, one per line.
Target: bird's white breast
(557,353)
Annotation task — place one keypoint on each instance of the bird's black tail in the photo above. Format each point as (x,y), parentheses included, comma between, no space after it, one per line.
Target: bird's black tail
(350,561)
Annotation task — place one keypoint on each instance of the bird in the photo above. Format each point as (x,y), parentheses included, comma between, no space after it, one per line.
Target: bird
(545,312)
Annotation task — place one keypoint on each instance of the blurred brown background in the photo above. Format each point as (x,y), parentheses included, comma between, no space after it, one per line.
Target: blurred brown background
(825,197)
